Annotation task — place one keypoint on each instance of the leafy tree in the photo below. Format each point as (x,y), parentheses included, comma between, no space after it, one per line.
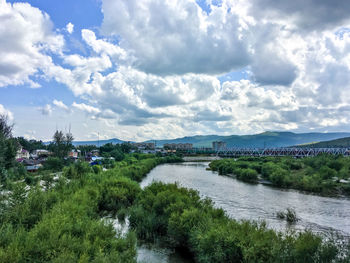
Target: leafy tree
(62,144)
(8,147)
(5,127)
(126,147)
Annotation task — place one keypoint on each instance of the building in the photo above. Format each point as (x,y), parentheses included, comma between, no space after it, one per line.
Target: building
(32,165)
(74,154)
(144,145)
(218,145)
(178,146)
(40,153)
(22,154)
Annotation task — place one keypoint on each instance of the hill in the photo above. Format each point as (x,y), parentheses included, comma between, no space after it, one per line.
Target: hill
(338,143)
(266,139)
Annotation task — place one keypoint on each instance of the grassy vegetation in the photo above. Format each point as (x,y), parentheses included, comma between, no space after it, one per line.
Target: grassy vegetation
(321,174)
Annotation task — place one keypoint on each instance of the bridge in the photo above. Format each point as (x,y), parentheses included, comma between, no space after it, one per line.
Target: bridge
(294,152)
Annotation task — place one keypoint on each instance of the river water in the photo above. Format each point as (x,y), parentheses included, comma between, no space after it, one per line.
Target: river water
(258,202)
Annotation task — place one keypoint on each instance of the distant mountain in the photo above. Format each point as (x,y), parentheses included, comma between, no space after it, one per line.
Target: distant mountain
(338,143)
(266,139)
(98,143)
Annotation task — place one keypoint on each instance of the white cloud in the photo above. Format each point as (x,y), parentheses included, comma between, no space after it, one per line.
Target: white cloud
(177,37)
(26,36)
(6,112)
(46,110)
(61,105)
(86,108)
(70,28)
(154,73)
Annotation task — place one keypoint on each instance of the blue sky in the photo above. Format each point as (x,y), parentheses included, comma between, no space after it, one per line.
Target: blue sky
(153,69)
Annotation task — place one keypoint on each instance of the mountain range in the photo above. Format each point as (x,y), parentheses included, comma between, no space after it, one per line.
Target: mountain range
(266,139)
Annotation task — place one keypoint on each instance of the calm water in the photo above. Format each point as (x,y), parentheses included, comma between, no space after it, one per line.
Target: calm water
(249,201)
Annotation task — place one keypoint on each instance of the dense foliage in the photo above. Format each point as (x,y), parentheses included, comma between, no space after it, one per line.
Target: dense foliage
(321,174)
(62,220)
(181,219)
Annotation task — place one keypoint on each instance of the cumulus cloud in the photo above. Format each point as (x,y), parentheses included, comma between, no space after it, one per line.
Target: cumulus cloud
(305,14)
(156,66)
(70,28)
(177,37)
(26,35)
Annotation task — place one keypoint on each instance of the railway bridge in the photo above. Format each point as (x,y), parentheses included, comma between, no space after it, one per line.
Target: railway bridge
(293,152)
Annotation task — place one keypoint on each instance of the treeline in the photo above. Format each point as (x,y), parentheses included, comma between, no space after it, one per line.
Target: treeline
(321,174)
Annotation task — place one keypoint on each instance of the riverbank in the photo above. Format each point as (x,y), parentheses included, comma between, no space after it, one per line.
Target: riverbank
(323,175)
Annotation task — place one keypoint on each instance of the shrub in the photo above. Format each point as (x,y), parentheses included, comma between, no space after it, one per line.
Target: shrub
(54,164)
(278,177)
(248,175)
(327,173)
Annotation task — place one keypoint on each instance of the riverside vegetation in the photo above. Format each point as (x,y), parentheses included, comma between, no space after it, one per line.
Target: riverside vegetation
(321,174)
(64,222)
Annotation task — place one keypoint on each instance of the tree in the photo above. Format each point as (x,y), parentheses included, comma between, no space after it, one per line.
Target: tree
(62,144)
(5,127)
(8,145)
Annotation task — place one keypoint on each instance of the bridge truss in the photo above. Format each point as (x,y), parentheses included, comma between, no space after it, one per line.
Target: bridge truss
(294,152)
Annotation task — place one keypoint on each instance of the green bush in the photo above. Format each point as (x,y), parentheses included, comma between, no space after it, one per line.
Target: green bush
(247,175)
(54,164)
(278,177)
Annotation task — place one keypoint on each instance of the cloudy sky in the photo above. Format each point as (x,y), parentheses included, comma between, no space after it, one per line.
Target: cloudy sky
(142,69)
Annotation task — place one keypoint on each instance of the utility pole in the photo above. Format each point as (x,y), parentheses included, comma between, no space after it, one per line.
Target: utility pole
(98,139)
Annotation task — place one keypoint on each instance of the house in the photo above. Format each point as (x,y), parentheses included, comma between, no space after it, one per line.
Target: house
(22,154)
(40,153)
(74,154)
(32,165)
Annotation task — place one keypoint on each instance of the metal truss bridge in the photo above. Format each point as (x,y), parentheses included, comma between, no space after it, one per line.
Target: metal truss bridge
(294,152)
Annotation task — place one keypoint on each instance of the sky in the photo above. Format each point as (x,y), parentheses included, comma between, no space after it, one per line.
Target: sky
(160,69)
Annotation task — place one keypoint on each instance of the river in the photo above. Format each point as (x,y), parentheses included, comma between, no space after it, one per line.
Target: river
(240,200)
